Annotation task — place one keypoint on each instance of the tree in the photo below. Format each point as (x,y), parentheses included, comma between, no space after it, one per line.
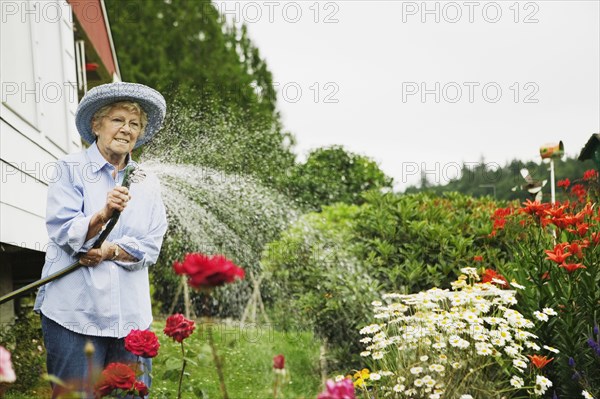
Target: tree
(332,175)
(219,90)
(506,181)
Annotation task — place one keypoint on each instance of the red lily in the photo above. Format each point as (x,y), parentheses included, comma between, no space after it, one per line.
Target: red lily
(491,276)
(580,229)
(575,248)
(556,211)
(539,361)
(502,212)
(579,190)
(499,224)
(545,276)
(534,208)
(558,255)
(571,267)
(590,174)
(563,183)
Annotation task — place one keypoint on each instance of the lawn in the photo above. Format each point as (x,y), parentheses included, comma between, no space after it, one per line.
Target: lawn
(247,355)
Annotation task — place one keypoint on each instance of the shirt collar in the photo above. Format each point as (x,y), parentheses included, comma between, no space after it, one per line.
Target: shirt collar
(97,161)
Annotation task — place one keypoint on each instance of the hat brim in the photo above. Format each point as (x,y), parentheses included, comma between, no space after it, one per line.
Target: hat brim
(151,101)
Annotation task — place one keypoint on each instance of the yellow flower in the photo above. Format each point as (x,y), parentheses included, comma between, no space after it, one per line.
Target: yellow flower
(362,374)
(359,383)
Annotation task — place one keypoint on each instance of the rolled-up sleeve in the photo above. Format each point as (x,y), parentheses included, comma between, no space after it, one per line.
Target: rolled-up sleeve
(145,249)
(65,221)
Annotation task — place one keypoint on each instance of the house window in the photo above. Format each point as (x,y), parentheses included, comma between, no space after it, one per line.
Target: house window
(19,91)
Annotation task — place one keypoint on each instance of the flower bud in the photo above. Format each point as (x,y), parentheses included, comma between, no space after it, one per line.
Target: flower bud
(89,349)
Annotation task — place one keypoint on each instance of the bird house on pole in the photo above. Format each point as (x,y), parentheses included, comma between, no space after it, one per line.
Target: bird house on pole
(551,151)
(591,150)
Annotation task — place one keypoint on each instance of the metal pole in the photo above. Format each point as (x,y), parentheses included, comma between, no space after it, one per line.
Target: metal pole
(552,192)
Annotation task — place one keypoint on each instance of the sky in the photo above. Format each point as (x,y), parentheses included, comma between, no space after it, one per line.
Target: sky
(423,87)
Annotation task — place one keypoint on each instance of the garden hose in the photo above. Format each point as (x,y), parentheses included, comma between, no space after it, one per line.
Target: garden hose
(129,169)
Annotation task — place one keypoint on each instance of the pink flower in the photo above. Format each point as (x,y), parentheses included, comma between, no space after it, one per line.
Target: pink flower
(7,374)
(338,390)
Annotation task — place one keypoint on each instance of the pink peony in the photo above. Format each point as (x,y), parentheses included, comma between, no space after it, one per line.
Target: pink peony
(7,374)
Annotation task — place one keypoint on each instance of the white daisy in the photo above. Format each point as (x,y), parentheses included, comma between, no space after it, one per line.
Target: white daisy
(517,381)
(540,316)
(549,311)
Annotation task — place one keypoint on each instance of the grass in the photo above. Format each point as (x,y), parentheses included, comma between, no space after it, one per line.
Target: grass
(247,356)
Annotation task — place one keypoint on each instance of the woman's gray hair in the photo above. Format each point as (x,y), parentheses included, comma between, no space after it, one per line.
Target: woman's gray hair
(130,106)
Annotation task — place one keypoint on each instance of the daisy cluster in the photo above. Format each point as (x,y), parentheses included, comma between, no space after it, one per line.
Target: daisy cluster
(425,344)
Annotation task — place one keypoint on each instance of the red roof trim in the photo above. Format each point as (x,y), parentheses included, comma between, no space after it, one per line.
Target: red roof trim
(92,18)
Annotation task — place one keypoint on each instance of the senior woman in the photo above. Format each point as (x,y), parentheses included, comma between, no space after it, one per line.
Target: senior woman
(109,296)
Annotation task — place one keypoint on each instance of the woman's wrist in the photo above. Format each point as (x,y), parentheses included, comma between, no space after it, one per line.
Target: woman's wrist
(102,217)
(115,252)
(97,223)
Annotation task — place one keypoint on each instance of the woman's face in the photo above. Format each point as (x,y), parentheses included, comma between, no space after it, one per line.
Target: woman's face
(117,133)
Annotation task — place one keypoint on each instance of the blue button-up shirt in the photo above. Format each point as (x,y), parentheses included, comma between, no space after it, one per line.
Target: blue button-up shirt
(112,298)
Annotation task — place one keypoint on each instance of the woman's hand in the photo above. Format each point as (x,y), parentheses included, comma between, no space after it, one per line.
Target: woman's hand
(116,200)
(96,255)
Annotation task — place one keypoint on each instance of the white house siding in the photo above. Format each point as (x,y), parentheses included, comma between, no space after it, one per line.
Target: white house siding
(37,108)
(39,99)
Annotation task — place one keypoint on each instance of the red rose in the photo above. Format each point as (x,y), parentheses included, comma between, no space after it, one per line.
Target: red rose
(142,343)
(278,362)
(141,388)
(178,327)
(115,376)
(208,271)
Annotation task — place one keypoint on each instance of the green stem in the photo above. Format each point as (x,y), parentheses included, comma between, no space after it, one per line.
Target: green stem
(182,371)
(218,364)
(137,365)
(275,385)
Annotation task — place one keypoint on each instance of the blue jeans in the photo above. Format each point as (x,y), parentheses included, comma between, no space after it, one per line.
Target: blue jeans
(66,358)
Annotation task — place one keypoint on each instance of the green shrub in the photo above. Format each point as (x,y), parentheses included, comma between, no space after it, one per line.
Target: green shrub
(315,281)
(410,243)
(24,340)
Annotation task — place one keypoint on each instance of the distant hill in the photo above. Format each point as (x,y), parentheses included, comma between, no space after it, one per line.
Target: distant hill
(480,180)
